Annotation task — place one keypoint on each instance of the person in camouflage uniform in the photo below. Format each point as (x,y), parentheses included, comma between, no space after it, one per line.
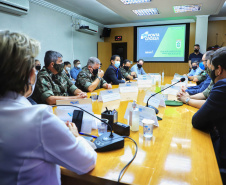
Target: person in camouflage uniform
(52,84)
(203,75)
(91,77)
(126,72)
(199,99)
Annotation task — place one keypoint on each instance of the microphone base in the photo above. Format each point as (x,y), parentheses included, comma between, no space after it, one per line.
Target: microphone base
(106,143)
(152,107)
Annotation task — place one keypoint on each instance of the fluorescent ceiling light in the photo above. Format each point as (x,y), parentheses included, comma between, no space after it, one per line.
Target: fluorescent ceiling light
(187,8)
(150,11)
(135,1)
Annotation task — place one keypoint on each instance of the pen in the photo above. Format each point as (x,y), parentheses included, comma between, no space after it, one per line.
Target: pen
(87,134)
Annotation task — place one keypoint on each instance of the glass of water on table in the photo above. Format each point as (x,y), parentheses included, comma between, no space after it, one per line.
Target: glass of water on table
(148,127)
(102,127)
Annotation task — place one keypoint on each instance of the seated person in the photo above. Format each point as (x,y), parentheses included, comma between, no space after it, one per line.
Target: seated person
(67,67)
(137,68)
(113,73)
(198,88)
(199,99)
(37,66)
(196,56)
(196,100)
(211,117)
(52,84)
(76,70)
(34,142)
(203,75)
(91,77)
(126,72)
(196,70)
(203,85)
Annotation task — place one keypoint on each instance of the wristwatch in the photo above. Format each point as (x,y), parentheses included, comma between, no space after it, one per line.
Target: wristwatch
(187,100)
(99,78)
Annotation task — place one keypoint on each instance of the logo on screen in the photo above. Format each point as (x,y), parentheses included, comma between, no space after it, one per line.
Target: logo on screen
(178,44)
(150,36)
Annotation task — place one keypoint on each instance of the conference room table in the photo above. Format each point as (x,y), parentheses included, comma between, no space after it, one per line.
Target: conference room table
(177,154)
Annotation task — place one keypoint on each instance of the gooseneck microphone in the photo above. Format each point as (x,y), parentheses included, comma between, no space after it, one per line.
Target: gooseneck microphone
(181,80)
(106,141)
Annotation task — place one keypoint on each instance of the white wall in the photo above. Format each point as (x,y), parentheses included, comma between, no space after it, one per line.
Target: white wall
(54,31)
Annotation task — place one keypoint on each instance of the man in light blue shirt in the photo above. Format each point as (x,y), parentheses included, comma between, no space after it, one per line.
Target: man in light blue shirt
(76,70)
(196,70)
(138,67)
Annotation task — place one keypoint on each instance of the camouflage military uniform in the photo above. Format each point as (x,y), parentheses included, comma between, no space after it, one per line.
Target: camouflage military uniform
(202,76)
(49,84)
(206,92)
(85,79)
(125,73)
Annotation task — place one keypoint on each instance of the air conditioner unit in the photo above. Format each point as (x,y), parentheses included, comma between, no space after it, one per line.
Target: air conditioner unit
(86,27)
(17,7)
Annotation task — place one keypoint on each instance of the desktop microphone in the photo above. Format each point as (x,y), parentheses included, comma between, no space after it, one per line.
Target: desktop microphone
(181,80)
(107,141)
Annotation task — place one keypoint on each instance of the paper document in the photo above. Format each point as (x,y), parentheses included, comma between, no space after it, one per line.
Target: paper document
(109,95)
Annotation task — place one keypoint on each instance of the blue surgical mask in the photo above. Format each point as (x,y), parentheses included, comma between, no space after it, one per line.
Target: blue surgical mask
(117,64)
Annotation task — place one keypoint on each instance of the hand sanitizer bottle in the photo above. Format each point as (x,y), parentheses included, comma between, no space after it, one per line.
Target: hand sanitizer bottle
(133,119)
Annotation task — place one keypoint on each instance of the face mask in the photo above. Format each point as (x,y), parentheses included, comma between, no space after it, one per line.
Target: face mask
(139,66)
(126,68)
(196,50)
(59,67)
(117,64)
(194,67)
(213,76)
(79,66)
(38,67)
(201,65)
(68,68)
(208,71)
(95,71)
(32,85)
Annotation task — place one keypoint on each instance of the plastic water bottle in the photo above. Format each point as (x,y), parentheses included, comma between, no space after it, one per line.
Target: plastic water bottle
(133,119)
(163,76)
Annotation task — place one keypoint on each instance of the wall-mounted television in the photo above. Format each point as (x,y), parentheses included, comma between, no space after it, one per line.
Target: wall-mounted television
(162,43)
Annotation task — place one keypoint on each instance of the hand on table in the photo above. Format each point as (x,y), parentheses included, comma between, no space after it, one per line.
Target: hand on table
(72,128)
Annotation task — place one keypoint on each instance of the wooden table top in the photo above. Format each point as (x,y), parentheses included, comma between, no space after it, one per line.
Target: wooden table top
(177,154)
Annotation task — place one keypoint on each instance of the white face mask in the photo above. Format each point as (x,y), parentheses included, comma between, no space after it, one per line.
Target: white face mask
(79,66)
(32,85)
(68,69)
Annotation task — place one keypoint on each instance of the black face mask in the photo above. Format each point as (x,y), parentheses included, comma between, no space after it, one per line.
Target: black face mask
(38,67)
(212,75)
(95,71)
(59,67)
(126,68)
(139,66)
(196,50)
(208,71)
(194,67)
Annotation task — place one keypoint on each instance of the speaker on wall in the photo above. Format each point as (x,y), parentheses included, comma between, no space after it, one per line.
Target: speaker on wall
(106,32)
